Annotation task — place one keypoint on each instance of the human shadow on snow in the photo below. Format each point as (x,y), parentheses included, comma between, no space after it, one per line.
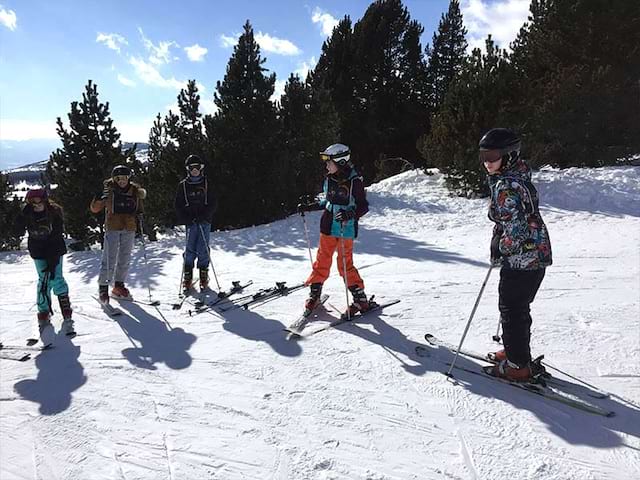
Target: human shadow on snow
(59,375)
(572,425)
(153,340)
(253,326)
(141,273)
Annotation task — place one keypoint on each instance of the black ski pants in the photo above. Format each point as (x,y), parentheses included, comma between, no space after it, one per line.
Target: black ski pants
(517,289)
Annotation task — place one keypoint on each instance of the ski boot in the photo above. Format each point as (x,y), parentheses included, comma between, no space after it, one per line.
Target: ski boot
(204,279)
(360,302)
(121,292)
(187,280)
(314,298)
(67,322)
(498,356)
(510,371)
(45,329)
(103,294)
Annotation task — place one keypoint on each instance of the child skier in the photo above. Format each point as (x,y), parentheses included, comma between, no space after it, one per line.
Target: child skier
(43,220)
(122,201)
(520,243)
(195,205)
(344,203)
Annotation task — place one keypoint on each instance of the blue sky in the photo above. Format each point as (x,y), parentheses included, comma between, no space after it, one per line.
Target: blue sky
(141,52)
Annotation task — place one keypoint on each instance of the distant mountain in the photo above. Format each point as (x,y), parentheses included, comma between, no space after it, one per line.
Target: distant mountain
(31,172)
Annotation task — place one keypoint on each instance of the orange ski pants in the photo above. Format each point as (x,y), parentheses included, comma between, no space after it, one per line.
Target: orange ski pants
(324,257)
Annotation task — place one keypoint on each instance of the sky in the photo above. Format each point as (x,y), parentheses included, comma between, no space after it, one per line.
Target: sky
(141,53)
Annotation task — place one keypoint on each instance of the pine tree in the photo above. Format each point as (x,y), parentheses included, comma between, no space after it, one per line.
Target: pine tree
(91,147)
(476,102)
(242,132)
(577,66)
(446,55)
(390,109)
(10,207)
(309,123)
(171,141)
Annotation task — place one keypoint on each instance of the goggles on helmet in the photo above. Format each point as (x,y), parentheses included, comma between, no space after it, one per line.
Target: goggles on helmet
(339,159)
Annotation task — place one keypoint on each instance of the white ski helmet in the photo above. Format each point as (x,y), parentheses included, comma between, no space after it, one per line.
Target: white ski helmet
(337,152)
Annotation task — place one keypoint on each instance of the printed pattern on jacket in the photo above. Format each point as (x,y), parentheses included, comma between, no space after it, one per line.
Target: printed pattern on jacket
(523,237)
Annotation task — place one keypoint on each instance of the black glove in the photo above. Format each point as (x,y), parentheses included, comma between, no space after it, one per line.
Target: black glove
(496,256)
(345,215)
(52,263)
(307,207)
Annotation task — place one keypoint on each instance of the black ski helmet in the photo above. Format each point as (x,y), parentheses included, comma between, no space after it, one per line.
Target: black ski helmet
(194,160)
(503,140)
(120,170)
(339,153)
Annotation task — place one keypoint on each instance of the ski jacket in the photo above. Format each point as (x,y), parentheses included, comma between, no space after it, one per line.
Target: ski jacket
(121,205)
(45,231)
(343,194)
(519,231)
(194,201)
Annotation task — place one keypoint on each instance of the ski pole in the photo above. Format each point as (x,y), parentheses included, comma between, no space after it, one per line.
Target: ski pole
(186,236)
(144,255)
(466,329)
(496,337)
(306,233)
(344,270)
(209,256)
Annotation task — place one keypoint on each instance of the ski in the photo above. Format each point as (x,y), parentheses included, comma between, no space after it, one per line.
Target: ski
(15,358)
(29,347)
(153,303)
(295,329)
(108,309)
(224,296)
(191,292)
(536,388)
(262,296)
(344,319)
(554,381)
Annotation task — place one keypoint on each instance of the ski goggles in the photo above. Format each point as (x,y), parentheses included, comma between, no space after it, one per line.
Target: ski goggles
(35,200)
(121,178)
(490,156)
(195,166)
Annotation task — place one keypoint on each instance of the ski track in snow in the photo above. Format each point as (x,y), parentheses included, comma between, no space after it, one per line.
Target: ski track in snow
(158,394)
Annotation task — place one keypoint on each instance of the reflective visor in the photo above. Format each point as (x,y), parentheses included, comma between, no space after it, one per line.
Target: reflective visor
(195,166)
(490,156)
(325,157)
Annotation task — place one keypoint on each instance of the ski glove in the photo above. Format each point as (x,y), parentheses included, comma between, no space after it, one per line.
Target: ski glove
(307,207)
(345,215)
(496,255)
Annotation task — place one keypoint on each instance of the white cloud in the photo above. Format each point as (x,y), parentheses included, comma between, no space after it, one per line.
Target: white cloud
(150,75)
(228,41)
(304,67)
(11,129)
(196,53)
(158,54)
(134,131)
(278,90)
(276,45)
(207,106)
(126,81)
(8,18)
(112,40)
(502,19)
(327,21)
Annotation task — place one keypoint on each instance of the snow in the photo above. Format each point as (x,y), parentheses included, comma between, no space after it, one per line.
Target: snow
(158,394)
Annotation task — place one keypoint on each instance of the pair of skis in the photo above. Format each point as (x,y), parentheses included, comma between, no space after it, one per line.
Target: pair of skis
(296,328)
(261,296)
(221,297)
(547,386)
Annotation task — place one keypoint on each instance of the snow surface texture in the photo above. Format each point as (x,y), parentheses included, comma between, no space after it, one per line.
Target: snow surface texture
(157,394)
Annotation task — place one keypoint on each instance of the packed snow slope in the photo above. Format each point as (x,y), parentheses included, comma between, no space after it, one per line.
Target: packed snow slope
(158,394)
